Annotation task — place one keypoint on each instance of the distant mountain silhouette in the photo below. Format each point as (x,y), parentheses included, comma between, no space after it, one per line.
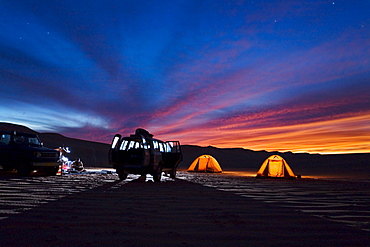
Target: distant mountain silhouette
(16,127)
(95,154)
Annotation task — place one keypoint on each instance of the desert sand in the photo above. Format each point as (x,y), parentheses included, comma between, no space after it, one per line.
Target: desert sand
(170,213)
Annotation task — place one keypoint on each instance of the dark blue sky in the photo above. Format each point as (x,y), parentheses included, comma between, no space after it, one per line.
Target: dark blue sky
(273,75)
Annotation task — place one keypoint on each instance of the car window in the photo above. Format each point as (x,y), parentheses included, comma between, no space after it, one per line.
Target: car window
(123,145)
(19,139)
(161,147)
(116,139)
(173,147)
(34,140)
(155,145)
(168,147)
(5,139)
(133,145)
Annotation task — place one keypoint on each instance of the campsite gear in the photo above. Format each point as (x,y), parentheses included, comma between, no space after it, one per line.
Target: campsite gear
(67,165)
(77,165)
(275,167)
(59,173)
(205,163)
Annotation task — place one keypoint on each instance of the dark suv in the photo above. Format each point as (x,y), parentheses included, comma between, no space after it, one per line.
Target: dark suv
(142,154)
(25,153)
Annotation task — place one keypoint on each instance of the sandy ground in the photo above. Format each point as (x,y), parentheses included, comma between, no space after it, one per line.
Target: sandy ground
(170,213)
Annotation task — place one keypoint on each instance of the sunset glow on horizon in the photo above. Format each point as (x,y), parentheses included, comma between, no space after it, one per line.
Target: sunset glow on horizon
(260,75)
(348,135)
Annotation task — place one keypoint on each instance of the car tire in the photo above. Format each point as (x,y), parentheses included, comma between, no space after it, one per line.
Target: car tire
(173,173)
(52,171)
(24,169)
(121,174)
(157,175)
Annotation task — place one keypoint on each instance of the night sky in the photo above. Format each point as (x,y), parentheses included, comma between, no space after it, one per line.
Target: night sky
(262,75)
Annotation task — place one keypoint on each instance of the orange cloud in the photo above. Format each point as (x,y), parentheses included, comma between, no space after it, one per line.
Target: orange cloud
(344,135)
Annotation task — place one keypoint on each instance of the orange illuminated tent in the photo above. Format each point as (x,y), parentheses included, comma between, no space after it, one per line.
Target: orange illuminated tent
(275,166)
(205,163)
